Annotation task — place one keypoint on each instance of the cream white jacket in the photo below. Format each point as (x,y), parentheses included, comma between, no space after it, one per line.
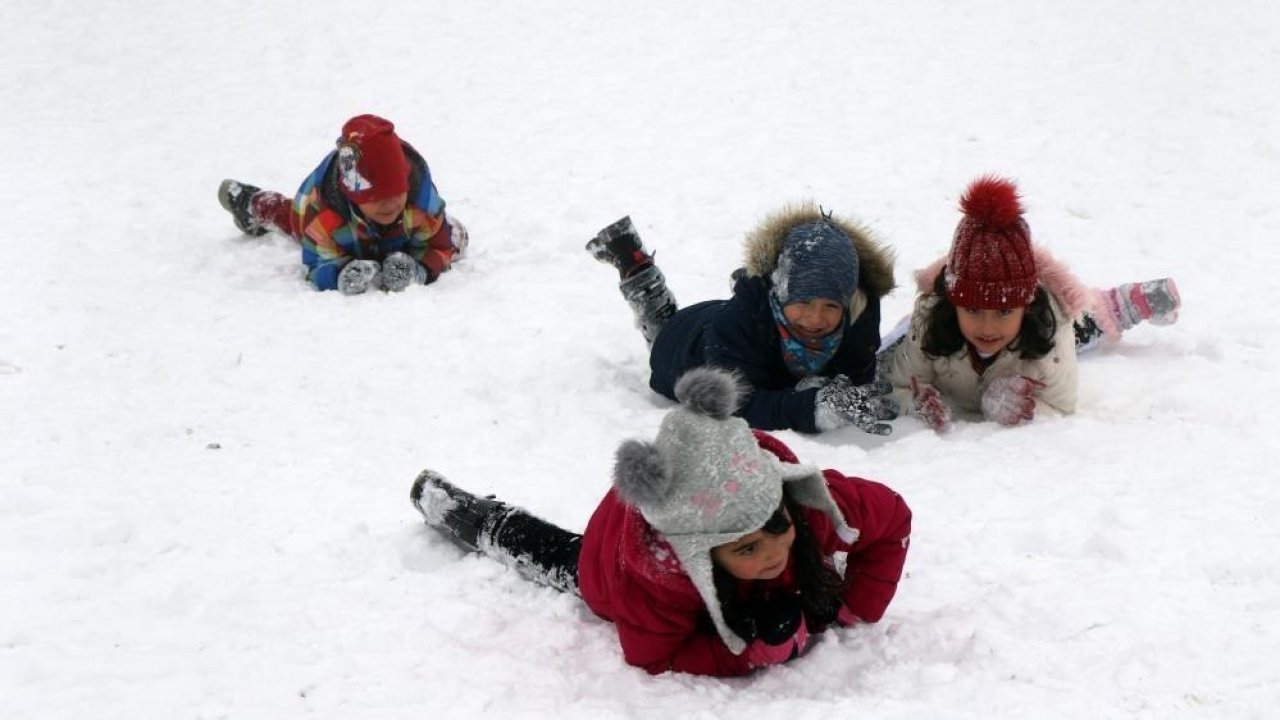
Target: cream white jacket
(954,375)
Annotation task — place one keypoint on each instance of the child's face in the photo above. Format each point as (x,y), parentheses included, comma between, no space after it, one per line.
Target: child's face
(990,331)
(813,319)
(758,556)
(384,211)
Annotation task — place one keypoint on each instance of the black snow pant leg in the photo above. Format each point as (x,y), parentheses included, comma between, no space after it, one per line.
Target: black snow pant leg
(542,552)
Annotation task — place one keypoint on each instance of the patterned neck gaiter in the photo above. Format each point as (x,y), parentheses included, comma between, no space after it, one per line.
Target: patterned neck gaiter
(804,358)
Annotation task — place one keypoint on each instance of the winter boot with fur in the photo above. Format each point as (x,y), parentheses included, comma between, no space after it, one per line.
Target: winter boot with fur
(1155,301)
(464,518)
(619,245)
(235,196)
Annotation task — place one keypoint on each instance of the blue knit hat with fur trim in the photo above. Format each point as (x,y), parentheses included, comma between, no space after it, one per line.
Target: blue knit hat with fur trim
(817,260)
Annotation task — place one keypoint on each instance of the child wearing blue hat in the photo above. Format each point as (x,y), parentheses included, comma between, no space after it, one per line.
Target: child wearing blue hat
(801,329)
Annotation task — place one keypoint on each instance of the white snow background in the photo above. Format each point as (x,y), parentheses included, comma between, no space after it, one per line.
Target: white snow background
(205,464)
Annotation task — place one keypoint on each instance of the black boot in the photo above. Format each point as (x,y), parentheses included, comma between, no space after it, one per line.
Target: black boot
(650,299)
(454,512)
(619,245)
(234,197)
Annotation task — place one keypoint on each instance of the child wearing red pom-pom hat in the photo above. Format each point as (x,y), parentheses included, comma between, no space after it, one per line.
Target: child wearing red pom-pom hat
(998,322)
(368,217)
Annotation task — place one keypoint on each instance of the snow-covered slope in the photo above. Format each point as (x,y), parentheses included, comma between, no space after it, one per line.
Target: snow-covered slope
(204,465)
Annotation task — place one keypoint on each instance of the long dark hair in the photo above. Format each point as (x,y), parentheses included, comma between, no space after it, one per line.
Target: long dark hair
(818,582)
(942,335)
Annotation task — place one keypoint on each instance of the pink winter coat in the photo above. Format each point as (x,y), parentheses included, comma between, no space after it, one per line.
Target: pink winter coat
(628,575)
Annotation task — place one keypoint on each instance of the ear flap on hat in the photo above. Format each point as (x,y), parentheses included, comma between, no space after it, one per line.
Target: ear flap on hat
(806,485)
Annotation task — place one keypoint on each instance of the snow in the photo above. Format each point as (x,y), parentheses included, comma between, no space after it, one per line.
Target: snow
(205,464)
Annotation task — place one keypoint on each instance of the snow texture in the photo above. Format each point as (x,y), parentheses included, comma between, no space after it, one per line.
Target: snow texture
(205,463)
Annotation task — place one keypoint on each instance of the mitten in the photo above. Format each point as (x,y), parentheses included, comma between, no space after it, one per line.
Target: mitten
(928,405)
(846,617)
(781,632)
(399,271)
(457,234)
(1011,400)
(358,276)
(840,403)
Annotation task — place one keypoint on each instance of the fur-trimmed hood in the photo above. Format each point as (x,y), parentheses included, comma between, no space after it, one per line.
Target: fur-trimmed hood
(764,244)
(1056,278)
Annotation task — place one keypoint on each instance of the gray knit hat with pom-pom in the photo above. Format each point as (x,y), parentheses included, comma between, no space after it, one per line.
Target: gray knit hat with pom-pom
(705,481)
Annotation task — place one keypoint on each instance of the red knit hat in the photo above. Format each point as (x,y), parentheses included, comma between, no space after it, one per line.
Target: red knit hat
(371,162)
(991,266)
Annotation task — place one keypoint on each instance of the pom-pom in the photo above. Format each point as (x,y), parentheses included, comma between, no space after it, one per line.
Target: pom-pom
(710,391)
(992,202)
(641,474)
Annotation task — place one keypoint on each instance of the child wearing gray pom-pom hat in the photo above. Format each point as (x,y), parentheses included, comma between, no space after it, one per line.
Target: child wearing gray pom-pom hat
(714,552)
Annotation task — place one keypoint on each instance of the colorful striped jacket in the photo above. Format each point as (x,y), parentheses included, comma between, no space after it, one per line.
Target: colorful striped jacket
(332,233)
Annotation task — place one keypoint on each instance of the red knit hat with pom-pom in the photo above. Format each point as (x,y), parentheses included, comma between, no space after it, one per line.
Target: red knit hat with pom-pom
(371,161)
(991,266)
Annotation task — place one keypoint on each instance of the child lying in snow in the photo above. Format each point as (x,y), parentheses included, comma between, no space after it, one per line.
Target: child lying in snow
(712,554)
(802,326)
(367,217)
(993,331)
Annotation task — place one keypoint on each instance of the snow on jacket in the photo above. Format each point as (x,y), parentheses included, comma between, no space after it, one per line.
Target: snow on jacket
(955,375)
(740,333)
(332,233)
(627,574)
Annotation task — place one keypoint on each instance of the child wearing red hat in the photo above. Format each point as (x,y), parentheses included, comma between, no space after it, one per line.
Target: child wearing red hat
(999,322)
(368,217)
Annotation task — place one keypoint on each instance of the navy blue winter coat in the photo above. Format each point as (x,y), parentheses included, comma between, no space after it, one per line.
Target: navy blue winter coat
(740,333)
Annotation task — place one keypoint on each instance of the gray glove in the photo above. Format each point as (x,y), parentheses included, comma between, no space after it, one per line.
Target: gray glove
(358,276)
(841,403)
(399,271)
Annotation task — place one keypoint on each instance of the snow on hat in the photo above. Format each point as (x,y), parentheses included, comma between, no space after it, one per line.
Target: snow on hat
(371,162)
(817,260)
(991,265)
(705,481)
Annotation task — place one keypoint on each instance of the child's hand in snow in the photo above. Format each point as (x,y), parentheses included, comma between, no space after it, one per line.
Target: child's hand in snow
(1011,400)
(928,405)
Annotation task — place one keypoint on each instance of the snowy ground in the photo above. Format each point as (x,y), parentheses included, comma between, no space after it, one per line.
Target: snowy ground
(205,465)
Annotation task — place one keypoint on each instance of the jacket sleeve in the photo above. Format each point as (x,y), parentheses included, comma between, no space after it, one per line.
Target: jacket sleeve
(430,234)
(674,635)
(1059,372)
(431,242)
(732,341)
(321,230)
(322,252)
(875,559)
(907,359)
